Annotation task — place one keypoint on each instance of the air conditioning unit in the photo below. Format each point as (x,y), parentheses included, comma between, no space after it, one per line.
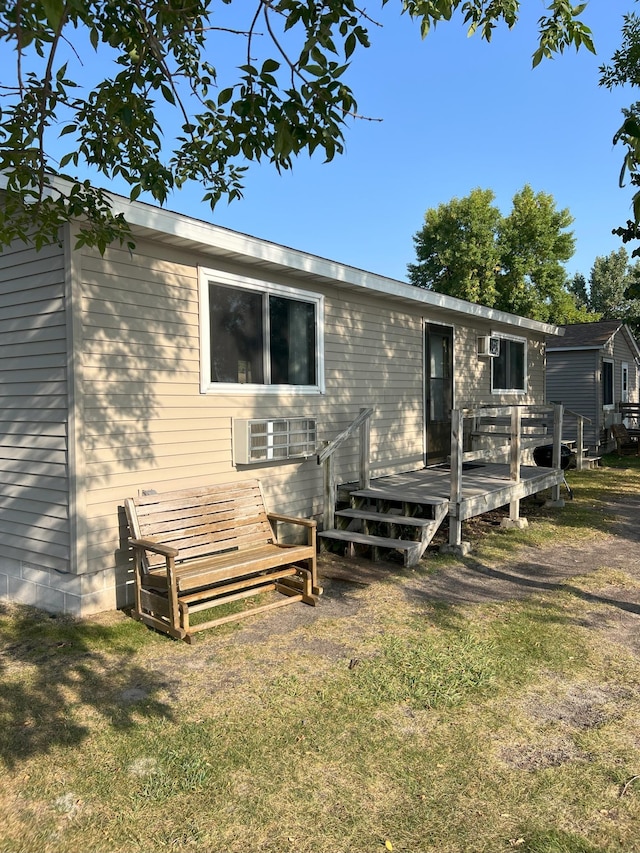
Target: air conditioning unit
(256,441)
(488,346)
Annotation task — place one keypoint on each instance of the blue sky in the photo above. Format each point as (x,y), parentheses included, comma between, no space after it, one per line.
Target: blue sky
(455,114)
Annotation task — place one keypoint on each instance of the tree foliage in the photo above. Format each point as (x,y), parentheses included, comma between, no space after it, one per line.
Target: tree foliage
(457,249)
(534,244)
(624,70)
(515,263)
(287,95)
(610,281)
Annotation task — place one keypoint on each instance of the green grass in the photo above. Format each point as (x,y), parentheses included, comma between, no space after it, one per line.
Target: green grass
(387,721)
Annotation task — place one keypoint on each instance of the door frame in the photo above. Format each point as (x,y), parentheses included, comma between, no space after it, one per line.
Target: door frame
(426,323)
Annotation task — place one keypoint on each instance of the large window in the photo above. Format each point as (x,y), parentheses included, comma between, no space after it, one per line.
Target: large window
(509,368)
(259,337)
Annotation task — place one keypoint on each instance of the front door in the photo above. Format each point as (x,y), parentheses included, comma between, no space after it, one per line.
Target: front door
(438,391)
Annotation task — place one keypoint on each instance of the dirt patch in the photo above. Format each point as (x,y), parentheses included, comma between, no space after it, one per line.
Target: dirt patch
(230,658)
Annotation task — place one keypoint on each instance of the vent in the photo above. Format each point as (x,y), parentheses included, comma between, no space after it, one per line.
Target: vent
(273,440)
(488,346)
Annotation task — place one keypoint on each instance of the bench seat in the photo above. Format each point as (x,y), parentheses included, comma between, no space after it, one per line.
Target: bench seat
(199,548)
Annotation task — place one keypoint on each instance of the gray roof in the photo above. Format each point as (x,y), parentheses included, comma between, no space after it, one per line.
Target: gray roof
(585,335)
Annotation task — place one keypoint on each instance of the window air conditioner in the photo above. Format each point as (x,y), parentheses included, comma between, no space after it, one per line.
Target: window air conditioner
(488,346)
(274,440)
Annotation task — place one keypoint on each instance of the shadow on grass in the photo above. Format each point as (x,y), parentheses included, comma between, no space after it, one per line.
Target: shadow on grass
(526,583)
(60,678)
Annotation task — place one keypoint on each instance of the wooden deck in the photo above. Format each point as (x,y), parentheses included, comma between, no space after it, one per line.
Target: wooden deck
(485,486)
(491,466)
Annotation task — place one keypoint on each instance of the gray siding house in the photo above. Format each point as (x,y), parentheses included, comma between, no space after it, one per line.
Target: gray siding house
(590,369)
(207,355)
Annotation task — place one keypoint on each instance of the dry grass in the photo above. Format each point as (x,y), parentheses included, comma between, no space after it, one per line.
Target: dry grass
(388,717)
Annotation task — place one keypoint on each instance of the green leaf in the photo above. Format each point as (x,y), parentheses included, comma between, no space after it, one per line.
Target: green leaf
(167,94)
(54,10)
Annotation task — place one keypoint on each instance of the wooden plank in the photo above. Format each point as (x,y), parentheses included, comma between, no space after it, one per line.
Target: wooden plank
(398,494)
(387,518)
(368,539)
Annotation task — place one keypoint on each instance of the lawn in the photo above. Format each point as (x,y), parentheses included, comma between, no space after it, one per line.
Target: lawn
(386,718)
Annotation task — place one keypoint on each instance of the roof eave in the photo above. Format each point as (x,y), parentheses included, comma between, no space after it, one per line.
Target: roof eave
(161,221)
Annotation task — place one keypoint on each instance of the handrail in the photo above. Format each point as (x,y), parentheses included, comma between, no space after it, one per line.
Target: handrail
(333,445)
(577,415)
(326,457)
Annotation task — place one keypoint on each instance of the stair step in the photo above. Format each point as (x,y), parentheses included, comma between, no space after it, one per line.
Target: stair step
(387,517)
(397,495)
(367,539)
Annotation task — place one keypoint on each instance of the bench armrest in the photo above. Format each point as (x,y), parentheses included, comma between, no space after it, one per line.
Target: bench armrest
(291,519)
(156,547)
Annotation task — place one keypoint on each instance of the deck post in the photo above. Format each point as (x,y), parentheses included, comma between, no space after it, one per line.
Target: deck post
(329,508)
(580,444)
(515,460)
(557,453)
(365,453)
(455,522)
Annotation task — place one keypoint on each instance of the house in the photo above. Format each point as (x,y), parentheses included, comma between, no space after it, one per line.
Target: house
(591,369)
(204,356)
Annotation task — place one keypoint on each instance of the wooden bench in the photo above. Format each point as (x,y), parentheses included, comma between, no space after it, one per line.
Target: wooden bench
(195,549)
(625,443)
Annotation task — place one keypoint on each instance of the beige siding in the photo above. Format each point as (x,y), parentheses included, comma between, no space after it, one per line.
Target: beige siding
(34,482)
(147,426)
(473,373)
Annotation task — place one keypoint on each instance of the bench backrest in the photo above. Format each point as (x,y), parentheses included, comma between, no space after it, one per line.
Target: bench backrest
(201,521)
(619,432)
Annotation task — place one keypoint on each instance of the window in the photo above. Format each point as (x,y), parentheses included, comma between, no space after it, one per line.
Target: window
(509,369)
(624,382)
(259,337)
(607,383)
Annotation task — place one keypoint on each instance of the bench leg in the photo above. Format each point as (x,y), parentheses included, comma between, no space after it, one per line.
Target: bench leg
(312,563)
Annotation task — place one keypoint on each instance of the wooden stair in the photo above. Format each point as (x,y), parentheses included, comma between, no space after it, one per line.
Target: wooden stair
(379,521)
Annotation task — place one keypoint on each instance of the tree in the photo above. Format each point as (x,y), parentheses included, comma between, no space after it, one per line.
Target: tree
(457,249)
(534,243)
(287,96)
(624,70)
(577,287)
(609,284)
(466,248)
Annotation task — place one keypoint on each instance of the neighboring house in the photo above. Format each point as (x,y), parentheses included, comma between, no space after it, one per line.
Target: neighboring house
(591,369)
(141,371)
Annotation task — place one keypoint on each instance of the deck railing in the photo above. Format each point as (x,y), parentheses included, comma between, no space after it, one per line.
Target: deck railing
(503,442)
(361,425)
(580,422)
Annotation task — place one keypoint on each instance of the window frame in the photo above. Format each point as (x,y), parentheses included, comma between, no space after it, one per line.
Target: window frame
(525,365)
(611,364)
(625,376)
(265,289)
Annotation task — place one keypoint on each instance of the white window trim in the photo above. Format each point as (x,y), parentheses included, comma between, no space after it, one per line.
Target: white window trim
(525,377)
(243,283)
(608,407)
